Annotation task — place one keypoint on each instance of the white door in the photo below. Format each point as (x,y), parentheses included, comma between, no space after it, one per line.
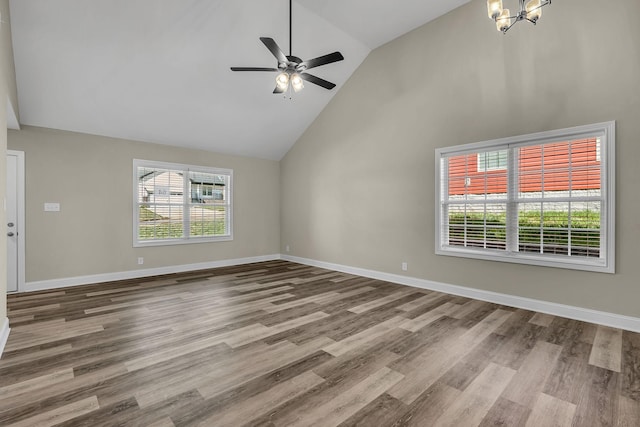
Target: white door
(14,226)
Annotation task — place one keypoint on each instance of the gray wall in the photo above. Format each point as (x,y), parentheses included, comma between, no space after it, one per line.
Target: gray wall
(91,177)
(358,187)
(7,92)
(7,65)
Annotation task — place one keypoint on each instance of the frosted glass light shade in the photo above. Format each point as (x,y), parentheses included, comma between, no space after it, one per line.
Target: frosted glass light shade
(282,81)
(494,7)
(503,22)
(534,10)
(297,82)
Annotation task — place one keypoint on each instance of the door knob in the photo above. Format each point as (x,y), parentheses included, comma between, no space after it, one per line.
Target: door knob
(10,234)
(10,224)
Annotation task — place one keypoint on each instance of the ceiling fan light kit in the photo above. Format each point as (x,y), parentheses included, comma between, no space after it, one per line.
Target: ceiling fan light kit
(296,82)
(293,70)
(529,11)
(282,81)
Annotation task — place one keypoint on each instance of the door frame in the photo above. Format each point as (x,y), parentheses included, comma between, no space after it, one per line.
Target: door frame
(20,186)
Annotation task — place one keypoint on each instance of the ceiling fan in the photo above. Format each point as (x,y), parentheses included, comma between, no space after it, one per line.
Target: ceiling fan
(292,68)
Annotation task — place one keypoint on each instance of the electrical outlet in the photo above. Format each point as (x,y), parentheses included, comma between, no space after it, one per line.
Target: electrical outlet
(404,266)
(140,260)
(286,248)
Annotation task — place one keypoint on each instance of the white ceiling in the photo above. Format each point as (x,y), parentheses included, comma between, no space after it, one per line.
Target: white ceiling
(158,70)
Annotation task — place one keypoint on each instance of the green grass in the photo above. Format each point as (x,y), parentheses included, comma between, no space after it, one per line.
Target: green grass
(208,228)
(167,230)
(214,208)
(558,219)
(174,230)
(585,227)
(149,215)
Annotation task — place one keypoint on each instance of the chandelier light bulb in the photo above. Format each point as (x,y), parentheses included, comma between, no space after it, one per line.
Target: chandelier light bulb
(503,22)
(494,8)
(282,81)
(534,10)
(297,82)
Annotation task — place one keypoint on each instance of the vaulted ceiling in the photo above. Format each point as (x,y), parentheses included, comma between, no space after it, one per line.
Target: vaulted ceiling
(158,70)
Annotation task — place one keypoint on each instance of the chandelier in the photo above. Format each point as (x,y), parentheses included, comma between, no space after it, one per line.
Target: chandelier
(531,11)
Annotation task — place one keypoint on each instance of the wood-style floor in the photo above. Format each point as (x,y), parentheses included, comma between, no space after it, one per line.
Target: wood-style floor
(282,344)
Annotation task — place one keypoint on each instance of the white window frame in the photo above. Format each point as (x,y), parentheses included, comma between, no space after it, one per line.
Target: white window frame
(186,195)
(604,264)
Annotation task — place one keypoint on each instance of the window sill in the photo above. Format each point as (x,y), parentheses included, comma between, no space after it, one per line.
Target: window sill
(171,242)
(594,265)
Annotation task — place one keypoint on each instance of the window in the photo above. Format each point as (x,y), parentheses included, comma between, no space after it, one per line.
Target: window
(543,199)
(492,160)
(176,203)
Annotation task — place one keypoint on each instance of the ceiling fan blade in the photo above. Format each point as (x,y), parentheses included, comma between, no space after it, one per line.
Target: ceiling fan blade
(252,69)
(274,49)
(278,90)
(317,80)
(322,60)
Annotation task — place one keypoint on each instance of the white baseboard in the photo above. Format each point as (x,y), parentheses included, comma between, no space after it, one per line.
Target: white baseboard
(4,334)
(584,314)
(135,274)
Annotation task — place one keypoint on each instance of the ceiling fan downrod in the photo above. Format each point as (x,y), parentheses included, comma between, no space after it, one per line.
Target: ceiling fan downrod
(290,27)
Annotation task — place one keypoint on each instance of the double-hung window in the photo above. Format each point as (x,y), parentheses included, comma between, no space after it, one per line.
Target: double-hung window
(543,199)
(175,203)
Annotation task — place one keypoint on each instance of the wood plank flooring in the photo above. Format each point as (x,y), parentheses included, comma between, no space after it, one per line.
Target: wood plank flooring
(282,344)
